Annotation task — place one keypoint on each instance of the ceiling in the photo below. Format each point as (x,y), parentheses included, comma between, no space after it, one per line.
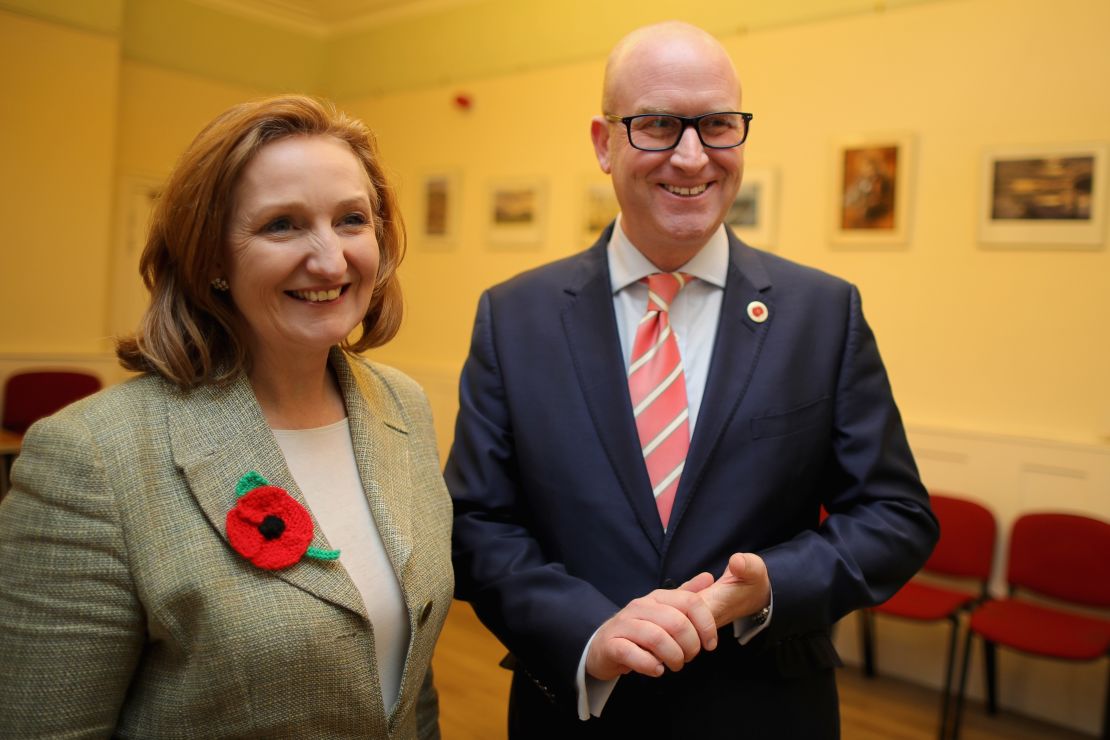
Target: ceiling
(326,17)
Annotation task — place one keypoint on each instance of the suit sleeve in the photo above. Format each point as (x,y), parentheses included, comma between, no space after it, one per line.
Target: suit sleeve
(880,529)
(71,628)
(542,614)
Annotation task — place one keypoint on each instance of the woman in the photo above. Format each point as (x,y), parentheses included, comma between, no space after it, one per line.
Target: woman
(160,572)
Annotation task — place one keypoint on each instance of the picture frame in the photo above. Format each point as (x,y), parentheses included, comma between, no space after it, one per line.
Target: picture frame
(516,213)
(872,177)
(753,215)
(440,210)
(599,207)
(1044,196)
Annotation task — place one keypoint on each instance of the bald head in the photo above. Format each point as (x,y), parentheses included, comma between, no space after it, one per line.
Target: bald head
(657,45)
(672,199)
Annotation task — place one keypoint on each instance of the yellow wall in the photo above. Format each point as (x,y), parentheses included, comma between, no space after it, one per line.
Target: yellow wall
(998,340)
(1010,341)
(57,146)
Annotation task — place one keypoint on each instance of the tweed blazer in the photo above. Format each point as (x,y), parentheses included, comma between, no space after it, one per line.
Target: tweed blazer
(124,611)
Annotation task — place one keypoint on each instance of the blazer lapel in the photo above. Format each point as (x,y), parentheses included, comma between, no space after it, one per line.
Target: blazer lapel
(218,434)
(380,437)
(736,351)
(591,331)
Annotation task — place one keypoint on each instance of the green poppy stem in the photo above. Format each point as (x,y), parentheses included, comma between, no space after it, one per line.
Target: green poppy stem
(316,552)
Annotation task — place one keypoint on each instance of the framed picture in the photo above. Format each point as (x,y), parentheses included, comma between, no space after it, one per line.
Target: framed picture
(439,210)
(599,207)
(517,213)
(754,213)
(1044,196)
(871,197)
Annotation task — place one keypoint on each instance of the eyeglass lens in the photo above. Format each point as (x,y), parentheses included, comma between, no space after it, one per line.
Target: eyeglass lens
(663,131)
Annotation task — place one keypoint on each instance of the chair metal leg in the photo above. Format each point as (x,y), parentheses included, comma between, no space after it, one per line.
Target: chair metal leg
(990,671)
(945,698)
(961,692)
(867,641)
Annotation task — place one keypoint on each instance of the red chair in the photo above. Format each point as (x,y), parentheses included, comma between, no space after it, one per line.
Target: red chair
(1064,557)
(29,396)
(965,550)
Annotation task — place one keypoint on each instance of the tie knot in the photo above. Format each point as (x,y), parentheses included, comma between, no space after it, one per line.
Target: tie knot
(663,287)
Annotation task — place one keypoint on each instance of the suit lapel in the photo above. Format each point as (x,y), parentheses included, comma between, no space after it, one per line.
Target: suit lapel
(218,434)
(736,351)
(591,331)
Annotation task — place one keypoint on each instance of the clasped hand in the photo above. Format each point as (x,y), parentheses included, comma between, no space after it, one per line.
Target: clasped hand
(668,627)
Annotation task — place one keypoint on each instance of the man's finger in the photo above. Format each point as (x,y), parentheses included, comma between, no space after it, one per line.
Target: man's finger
(694,609)
(701,581)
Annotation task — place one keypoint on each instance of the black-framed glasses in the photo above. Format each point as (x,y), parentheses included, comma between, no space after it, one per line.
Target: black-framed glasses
(658,132)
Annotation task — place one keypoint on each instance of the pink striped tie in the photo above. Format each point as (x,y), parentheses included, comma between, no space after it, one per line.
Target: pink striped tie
(658,389)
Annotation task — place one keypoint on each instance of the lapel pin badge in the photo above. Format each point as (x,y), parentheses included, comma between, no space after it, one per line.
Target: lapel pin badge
(757,311)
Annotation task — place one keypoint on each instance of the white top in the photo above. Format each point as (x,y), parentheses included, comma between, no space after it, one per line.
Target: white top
(322,462)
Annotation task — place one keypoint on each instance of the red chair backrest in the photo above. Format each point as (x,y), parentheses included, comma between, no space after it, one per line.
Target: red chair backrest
(967,536)
(29,396)
(1065,556)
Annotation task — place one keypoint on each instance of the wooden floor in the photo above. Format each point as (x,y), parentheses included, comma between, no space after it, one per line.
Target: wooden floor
(473,691)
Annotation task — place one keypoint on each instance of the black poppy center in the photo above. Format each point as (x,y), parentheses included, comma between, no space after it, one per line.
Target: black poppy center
(271,527)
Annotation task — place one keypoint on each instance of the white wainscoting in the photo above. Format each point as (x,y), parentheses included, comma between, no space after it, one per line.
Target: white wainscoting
(1011,476)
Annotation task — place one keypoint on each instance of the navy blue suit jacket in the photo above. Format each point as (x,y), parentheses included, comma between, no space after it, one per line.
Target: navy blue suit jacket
(555,524)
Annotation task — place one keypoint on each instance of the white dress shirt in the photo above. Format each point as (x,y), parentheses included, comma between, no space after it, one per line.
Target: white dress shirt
(695,311)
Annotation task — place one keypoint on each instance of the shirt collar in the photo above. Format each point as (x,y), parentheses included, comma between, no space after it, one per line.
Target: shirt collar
(627,265)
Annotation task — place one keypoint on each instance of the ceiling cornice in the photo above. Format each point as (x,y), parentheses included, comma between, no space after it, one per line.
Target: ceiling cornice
(314,18)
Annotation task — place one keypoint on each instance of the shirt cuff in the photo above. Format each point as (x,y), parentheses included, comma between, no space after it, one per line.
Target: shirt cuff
(745,628)
(593,693)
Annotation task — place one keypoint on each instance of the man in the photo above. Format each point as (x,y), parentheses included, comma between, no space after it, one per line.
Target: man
(609,459)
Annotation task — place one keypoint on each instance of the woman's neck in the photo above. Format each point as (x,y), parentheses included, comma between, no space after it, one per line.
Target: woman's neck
(297,393)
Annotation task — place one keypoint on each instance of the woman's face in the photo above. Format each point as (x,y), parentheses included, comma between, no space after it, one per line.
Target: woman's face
(301,254)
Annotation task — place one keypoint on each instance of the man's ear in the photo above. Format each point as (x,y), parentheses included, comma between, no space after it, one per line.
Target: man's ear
(599,132)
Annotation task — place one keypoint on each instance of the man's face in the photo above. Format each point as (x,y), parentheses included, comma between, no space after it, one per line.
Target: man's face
(671,201)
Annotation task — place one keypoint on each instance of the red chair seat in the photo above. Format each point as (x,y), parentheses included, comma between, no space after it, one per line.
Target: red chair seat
(925,602)
(31,395)
(1042,631)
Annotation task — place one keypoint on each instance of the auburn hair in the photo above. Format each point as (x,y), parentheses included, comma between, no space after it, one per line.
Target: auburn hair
(191,334)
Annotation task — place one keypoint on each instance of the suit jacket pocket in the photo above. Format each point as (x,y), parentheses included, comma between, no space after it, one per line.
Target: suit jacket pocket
(815,413)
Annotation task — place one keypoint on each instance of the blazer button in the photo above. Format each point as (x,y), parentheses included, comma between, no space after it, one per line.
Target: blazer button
(425,613)
(669,583)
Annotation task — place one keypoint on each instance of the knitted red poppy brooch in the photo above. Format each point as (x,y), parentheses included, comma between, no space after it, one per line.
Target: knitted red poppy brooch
(269,528)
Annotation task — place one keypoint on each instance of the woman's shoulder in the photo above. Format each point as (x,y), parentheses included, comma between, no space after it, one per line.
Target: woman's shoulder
(395,381)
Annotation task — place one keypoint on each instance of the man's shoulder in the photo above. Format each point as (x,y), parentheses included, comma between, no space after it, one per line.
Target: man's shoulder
(784,272)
